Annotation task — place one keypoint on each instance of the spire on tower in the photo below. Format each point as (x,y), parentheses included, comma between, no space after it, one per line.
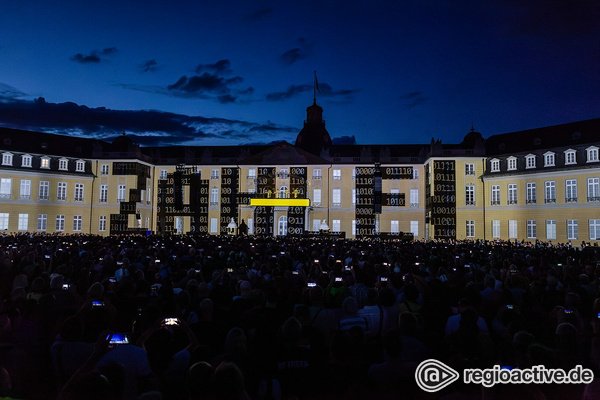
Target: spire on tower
(315,87)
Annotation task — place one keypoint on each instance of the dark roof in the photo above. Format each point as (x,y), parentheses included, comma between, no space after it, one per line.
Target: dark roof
(283,153)
(563,135)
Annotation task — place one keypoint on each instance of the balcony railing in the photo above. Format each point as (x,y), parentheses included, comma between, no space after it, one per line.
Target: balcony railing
(511,202)
(43,197)
(495,202)
(25,196)
(531,201)
(552,200)
(593,198)
(470,202)
(570,199)
(283,175)
(5,196)
(316,177)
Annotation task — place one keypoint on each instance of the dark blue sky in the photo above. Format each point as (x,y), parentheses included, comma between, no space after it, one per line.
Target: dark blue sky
(229,72)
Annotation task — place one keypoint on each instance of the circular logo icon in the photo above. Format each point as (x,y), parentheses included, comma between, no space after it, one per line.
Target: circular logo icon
(433,375)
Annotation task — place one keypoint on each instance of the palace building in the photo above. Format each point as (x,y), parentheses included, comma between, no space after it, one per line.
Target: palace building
(539,184)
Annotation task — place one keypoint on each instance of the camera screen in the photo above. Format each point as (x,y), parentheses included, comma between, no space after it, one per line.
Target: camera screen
(118,338)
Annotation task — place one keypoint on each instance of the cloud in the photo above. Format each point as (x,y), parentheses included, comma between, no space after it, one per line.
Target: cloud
(9,93)
(220,67)
(325,90)
(147,127)
(413,99)
(344,140)
(94,57)
(149,66)
(296,54)
(259,14)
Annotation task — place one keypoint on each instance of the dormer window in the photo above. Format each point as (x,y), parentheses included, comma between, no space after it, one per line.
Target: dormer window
(26,161)
(592,154)
(495,165)
(7,159)
(530,161)
(511,163)
(549,159)
(80,166)
(45,163)
(63,164)
(570,157)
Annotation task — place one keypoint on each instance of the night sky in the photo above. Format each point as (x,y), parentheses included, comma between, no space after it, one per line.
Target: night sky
(238,72)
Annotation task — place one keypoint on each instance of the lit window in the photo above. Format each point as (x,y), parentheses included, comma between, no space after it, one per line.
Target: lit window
(550,229)
(104,169)
(337,197)
(214,174)
(531,229)
(530,161)
(512,229)
(495,165)
(317,197)
(45,163)
(61,192)
(25,189)
(163,174)
(44,190)
(337,174)
(4,221)
(316,173)
(42,222)
(570,157)
(103,193)
(415,174)
(7,159)
(414,228)
(283,173)
(512,193)
(511,163)
(470,195)
(63,164)
(549,159)
(496,229)
(594,229)
(593,189)
(80,166)
(102,223)
(414,197)
(23,222)
(572,229)
(121,193)
(5,188)
(550,192)
(26,161)
(283,192)
(336,225)
(214,196)
(60,223)
(394,226)
(213,225)
(495,195)
(531,193)
(470,228)
(79,192)
(77,223)
(252,173)
(570,190)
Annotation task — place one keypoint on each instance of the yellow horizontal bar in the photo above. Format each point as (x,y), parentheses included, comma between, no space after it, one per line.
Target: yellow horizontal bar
(280,202)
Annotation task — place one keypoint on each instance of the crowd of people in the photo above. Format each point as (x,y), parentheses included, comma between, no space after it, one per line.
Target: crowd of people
(207,317)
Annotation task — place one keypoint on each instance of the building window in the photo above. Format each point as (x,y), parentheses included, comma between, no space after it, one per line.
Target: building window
(470,195)
(60,223)
(414,197)
(531,193)
(23,222)
(469,169)
(252,173)
(44,190)
(512,193)
(5,188)
(45,163)
(353,227)
(570,157)
(336,198)
(511,163)
(495,165)
(121,193)
(283,173)
(530,161)
(316,173)
(102,223)
(80,166)
(316,225)
(594,229)
(550,192)
(531,229)
(61,191)
(251,226)
(512,229)
(26,161)
(77,223)
(214,196)
(337,174)
(549,159)
(103,193)
(336,225)
(104,169)
(7,159)
(213,225)
(496,229)
(394,226)
(414,228)
(63,164)
(571,191)
(4,221)
(593,189)
(353,196)
(550,229)
(25,192)
(470,225)
(79,192)
(495,195)
(214,174)
(282,226)
(42,222)
(283,192)
(317,197)
(572,229)
(415,174)
(592,154)
(163,174)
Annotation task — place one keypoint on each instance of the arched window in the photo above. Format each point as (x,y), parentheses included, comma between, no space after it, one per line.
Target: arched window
(283,192)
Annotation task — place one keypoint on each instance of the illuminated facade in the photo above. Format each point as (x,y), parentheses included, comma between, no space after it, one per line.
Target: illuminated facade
(541,184)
